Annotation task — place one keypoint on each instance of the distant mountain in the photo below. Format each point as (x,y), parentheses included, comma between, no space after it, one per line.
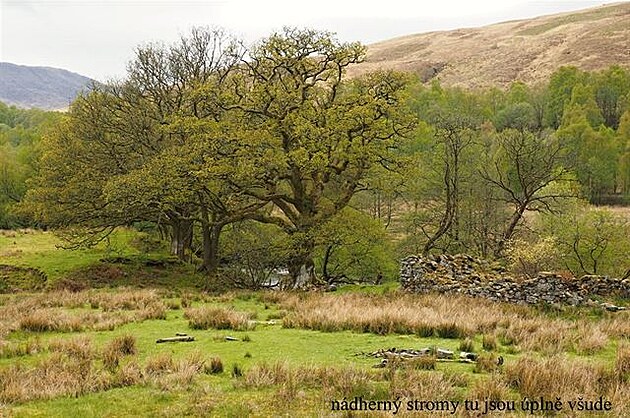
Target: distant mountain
(496,55)
(41,87)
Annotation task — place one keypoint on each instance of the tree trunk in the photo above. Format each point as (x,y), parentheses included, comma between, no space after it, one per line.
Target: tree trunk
(181,237)
(329,250)
(305,259)
(509,231)
(211,235)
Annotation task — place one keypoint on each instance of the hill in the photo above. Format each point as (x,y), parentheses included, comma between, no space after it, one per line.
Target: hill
(496,55)
(41,87)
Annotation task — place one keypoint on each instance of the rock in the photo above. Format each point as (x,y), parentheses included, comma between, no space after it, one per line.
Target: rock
(468,356)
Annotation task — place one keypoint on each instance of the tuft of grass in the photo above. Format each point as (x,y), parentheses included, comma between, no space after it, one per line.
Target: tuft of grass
(215,366)
(155,310)
(590,339)
(467,345)
(557,376)
(493,388)
(20,349)
(489,342)
(56,375)
(218,318)
(79,347)
(486,363)
(47,320)
(118,348)
(622,362)
(160,364)
(237,371)
(422,363)
(449,330)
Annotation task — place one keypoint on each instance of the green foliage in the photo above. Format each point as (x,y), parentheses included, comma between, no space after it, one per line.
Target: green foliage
(528,259)
(20,135)
(591,240)
(521,116)
(253,252)
(354,247)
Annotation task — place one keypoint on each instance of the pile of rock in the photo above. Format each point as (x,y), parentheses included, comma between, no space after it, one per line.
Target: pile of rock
(398,355)
(465,275)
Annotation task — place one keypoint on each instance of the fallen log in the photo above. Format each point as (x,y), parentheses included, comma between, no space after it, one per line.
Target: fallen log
(181,339)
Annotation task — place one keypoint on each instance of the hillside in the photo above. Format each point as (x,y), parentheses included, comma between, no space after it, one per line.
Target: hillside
(496,55)
(41,87)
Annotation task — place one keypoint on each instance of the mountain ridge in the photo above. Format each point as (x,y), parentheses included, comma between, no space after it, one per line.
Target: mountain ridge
(40,87)
(527,50)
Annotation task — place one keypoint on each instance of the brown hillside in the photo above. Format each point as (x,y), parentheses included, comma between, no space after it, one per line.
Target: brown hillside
(525,50)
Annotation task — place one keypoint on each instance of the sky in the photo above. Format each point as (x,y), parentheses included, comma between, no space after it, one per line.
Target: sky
(97,38)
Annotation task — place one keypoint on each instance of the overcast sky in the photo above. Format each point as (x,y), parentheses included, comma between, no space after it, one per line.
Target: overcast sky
(96,38)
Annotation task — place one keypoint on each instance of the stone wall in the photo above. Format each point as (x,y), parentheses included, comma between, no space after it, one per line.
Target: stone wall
(465,275)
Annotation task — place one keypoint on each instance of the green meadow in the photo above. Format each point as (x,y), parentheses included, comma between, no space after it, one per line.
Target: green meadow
(92,351)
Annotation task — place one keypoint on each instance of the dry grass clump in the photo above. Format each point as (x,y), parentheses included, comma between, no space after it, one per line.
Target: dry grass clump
(71,370)
(62,299)
(422,363)
(336,381)
(467,345)
(160,364)
(617,325)
(22,348)
(125,299)
(182,374)
(539,334)
(568,379)
(9,349)
(219,318)
(489,342)
(215,366)
(493,388)
(78,347)
(590,339)
(556,376)
(622,362)
(57,375)
(119,347)
(44,320)
(156,310)
(443,316)
(417,384)
(486,363)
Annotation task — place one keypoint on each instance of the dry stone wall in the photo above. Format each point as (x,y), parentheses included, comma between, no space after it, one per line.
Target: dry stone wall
(465,275)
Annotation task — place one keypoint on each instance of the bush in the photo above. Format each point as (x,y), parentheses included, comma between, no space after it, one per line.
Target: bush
(529,258)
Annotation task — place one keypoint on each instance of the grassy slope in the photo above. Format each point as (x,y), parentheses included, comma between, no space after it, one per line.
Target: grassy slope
(42,250)
(496,55)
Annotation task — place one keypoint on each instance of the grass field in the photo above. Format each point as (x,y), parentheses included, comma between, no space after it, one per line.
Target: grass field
(92,352)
